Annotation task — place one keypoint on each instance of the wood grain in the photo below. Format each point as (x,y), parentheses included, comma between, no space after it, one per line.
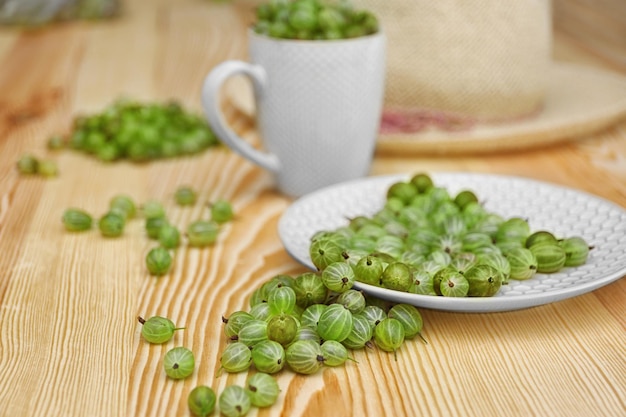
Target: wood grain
(70,344)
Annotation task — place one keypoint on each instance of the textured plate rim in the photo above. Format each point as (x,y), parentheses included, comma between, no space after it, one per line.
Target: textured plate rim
(466,304)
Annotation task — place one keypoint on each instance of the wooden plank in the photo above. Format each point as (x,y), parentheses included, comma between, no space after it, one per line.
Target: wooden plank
(69,341)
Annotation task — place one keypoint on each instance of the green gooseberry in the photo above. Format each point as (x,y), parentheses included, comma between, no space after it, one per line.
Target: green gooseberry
(282,328)
(281,300)
(280,280)
(338,277)
(352,256)
(463,261)
(179,363)
(169,236)
(158,261)
(268,356)
(324,252)
(374,314)
(355,223)
(152,208)
(234,401)
(397,230)
(108,152)
(335,323)
(233,323)
(362,244)
(309,289)
(27,164)
(440,257)
(523,263)
(487,249)
(334,353)
(369,270)
(257,297)
(425,205)
(353,300)
(341,239)
(361,333)
(474,240)
(371,300)
(499,262)
(508,245)
(111,224)
(389,335)
(263,390)
(202,233)
(185,196)
(442,275)
(454,284)
(440,196)
(236,357)
(397,276)
(221,211)
(422,181)
(253,332)
(515,228)
(301,18)
(311,315)
(304,356)
(449,244)
(47,168)
(465,197)
(261,311)
(394,204)
(403,191)
(426,237)
(454,227)
(422,283)
(330,18)
(157,329)
(371,231)
(489,224)
(306,333)
(484,280)
(76,220)
(550,257)
(201,401)
(540,237)
(474,211)
(390,245)
(411,258)
(153,226)
(124,203)
(410,318)
(576,250)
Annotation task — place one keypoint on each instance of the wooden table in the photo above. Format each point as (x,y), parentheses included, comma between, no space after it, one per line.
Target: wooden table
(70,343)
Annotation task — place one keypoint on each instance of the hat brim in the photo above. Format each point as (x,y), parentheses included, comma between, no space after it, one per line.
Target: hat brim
(579,101)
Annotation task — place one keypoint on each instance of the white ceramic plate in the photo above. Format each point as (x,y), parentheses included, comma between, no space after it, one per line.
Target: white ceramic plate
(561,210)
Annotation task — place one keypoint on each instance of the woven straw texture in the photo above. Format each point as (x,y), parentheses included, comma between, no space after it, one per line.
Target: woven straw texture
(486,59)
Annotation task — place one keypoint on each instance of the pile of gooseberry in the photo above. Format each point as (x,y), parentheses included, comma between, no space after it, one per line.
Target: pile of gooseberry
(313,20)
(313,320)
(138,131)
(122,208)
(426,241)
(261,389)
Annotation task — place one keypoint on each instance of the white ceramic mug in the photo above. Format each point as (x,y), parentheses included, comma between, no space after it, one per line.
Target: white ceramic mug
(318,107)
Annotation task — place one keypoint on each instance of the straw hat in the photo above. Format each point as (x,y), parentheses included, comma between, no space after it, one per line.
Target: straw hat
(477,77)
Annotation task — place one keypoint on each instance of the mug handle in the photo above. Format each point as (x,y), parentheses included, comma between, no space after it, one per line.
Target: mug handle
(210,101)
